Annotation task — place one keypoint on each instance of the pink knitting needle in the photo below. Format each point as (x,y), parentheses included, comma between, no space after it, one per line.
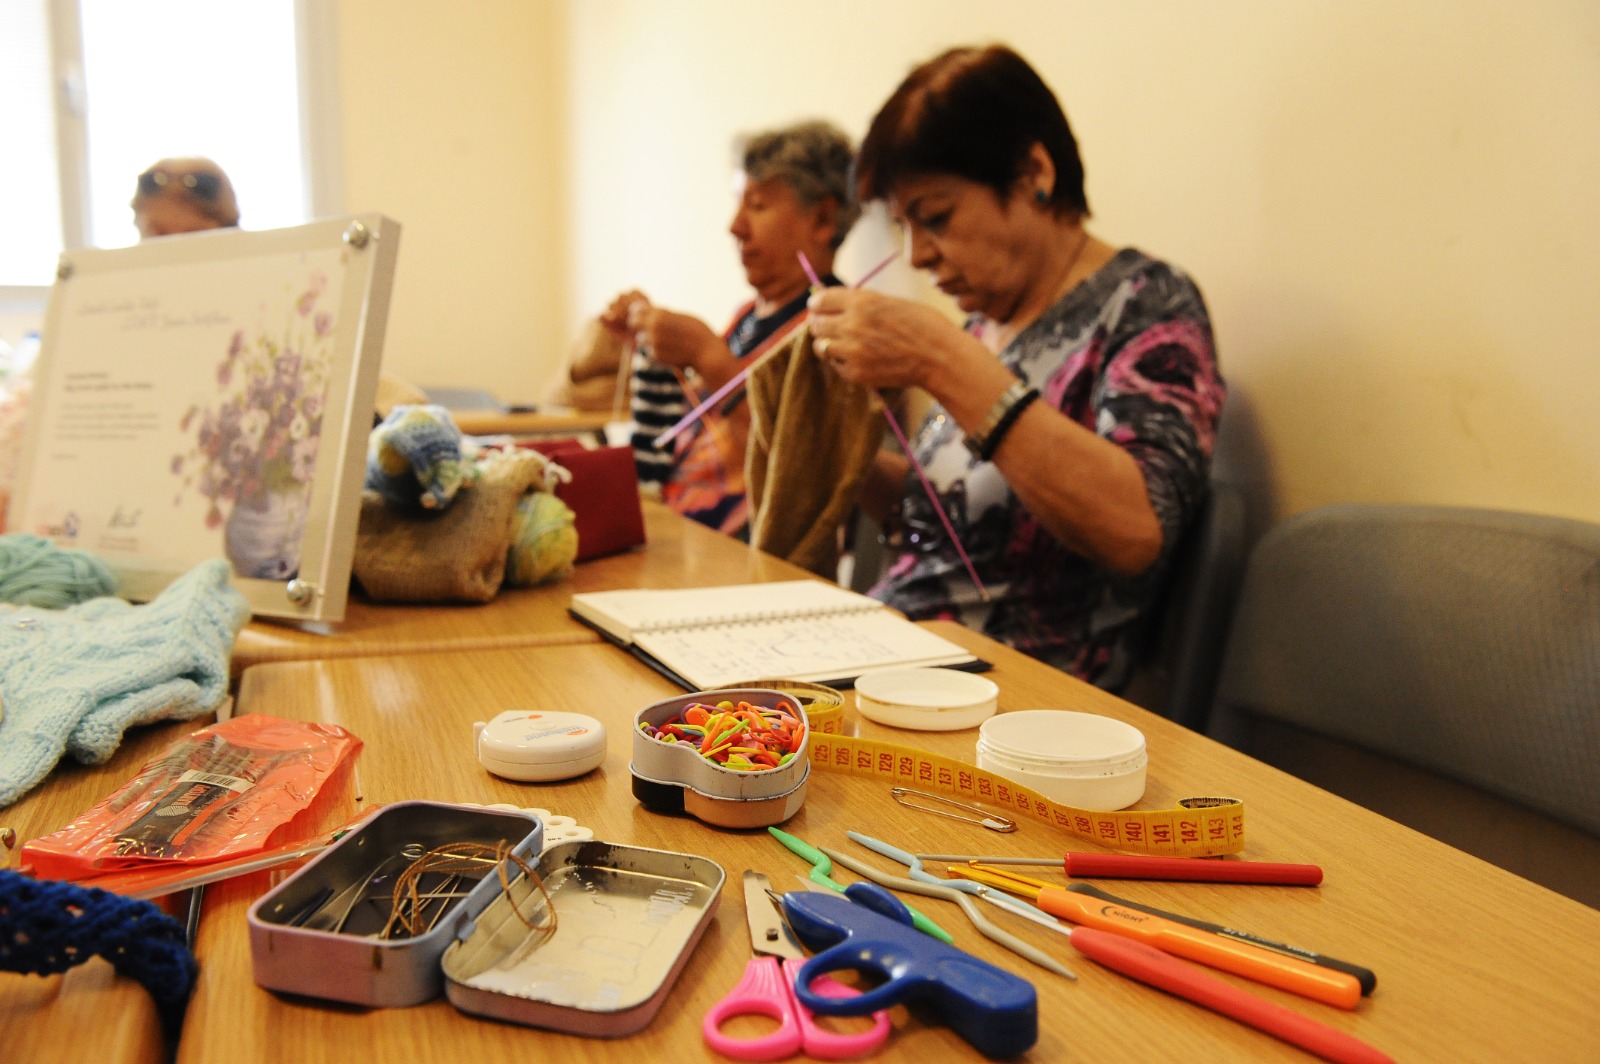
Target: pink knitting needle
(905,446)
(738,378)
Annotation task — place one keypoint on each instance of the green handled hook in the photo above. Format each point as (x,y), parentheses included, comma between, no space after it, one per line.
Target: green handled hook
(822,874)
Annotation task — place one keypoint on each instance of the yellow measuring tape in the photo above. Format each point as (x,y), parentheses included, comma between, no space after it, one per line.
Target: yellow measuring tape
(1197,827)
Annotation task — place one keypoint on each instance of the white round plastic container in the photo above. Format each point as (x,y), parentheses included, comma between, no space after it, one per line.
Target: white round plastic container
(539,747)
(1076,759)
(926,699)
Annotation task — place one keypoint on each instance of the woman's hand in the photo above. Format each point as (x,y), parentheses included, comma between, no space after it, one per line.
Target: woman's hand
(881,341)
(615,317)
(1087,491)
(684,341)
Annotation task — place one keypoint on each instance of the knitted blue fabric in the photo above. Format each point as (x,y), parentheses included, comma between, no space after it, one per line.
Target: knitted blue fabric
(47,927)
(73,680)
(36,572)
(414,458)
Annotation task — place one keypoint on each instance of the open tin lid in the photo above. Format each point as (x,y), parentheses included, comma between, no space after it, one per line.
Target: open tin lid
(594,947)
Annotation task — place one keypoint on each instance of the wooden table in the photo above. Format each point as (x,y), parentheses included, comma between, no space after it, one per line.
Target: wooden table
(1474,964)
(678,553)
(103,1016)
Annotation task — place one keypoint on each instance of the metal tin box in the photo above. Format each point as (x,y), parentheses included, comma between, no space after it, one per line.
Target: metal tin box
(674,778)
(626,920)
(317,932)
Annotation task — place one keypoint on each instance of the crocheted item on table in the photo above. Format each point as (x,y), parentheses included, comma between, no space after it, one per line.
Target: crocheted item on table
(74,680)
(414,458)
(47,927)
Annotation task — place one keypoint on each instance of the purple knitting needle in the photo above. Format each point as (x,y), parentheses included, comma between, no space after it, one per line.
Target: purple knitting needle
(905,446)
(738,378)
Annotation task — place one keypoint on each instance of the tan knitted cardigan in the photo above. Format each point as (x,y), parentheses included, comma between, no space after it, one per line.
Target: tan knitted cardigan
(812,438)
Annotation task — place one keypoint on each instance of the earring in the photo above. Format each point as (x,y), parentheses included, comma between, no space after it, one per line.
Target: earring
(1041,196)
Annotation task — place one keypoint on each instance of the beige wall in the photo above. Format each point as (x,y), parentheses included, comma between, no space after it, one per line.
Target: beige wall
(451,123)
(1390,207)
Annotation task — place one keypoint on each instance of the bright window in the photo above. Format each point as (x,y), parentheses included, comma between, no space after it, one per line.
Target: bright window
(30,188)
(137,84)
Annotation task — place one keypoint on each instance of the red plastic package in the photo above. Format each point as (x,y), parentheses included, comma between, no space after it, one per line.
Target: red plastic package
(218,792)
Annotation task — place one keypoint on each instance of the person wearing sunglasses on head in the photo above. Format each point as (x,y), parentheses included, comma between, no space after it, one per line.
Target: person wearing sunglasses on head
(191,195)
(183,196)
(1071,437)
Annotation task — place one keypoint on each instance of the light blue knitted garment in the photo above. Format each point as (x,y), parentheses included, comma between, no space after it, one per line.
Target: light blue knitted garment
(35,572)
(73,680)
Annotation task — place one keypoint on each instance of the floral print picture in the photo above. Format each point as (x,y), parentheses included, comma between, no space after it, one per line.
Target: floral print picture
(255,448)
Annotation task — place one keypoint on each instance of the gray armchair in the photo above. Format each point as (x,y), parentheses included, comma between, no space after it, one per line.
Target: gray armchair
(1439,665)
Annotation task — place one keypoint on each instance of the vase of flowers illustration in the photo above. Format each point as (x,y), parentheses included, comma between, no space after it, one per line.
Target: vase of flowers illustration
(255,447)
(261,536)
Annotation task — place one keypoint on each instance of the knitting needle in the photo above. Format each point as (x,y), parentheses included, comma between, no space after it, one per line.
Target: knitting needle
(738,378)
(191,925)
(905,448)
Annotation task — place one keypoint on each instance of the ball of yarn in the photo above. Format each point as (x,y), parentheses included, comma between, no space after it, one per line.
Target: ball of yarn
(544,540)
(35,572)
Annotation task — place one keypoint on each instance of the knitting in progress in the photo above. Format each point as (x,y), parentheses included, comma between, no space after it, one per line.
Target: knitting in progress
(74,680)
(47,927)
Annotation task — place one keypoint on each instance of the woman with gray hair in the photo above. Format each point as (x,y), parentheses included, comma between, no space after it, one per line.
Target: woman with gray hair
(793,199)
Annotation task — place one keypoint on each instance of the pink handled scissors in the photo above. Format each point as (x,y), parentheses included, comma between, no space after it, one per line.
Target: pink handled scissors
(767,989)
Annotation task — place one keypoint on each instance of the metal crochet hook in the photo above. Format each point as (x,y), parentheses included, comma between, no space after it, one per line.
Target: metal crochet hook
(998,898)
(984,818)
(968,906)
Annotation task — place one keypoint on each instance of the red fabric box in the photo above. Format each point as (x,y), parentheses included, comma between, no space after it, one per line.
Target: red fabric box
(603,494)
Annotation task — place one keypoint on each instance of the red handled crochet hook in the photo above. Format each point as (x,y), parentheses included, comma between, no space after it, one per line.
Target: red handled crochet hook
(1136,866)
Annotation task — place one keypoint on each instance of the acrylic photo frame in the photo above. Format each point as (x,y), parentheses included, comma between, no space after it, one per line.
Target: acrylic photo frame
(212,395)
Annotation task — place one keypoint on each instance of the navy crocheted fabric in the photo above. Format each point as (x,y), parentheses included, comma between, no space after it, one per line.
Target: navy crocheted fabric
(47,927)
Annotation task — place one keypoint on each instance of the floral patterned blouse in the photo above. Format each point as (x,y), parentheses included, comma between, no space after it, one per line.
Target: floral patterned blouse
(1129,354)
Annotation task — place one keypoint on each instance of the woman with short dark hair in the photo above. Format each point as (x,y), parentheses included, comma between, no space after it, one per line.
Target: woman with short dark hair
(1075,413)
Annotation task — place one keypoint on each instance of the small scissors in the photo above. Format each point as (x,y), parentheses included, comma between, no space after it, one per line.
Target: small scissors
(767,989)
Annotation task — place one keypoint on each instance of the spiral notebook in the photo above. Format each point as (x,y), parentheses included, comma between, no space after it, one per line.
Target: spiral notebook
(709,637)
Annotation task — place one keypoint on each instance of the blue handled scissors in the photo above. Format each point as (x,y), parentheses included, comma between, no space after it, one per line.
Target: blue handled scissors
(869,930)
(768,989)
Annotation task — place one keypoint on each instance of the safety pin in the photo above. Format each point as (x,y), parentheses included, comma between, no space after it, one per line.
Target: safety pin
(992,821)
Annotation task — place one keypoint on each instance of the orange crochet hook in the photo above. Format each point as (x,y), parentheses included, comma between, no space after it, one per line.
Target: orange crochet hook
(1229,955)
